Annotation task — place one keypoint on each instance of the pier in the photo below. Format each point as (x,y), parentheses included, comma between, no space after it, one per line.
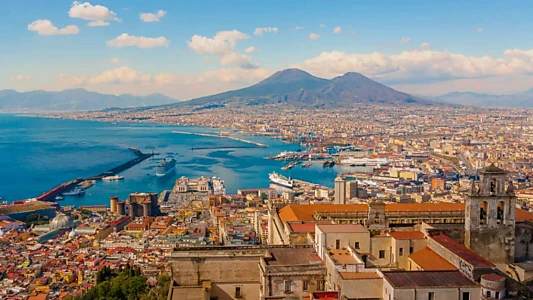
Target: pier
(252,143)
(51,194)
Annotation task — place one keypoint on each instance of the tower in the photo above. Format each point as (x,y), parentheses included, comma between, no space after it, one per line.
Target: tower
(113,204)
(340,190)
(490,216)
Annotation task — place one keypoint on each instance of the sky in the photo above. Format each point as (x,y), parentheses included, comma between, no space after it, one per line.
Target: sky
(188,49)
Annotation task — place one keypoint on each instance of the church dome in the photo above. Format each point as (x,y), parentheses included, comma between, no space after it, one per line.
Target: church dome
(61,221)
(72,234)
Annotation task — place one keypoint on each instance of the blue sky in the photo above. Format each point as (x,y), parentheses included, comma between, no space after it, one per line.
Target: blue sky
(422,47)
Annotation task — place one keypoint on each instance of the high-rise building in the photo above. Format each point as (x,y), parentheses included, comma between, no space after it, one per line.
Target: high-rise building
(340,190)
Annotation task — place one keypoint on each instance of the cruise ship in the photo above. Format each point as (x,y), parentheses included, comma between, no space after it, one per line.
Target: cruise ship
(165,167)
(280,180)
(352,161)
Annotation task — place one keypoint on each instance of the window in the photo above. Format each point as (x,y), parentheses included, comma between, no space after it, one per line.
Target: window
(356,245)
(238,292)
(401,251)
(431,296)
(337,244)
(488,294)
(306,285)
(466,295)
(497,295)
(288,284)
(410,250)
(381,253)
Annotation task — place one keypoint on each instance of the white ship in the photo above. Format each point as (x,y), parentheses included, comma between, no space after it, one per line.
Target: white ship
(280,180)
(113,178)
(165,167)
(352,161)
(219,187)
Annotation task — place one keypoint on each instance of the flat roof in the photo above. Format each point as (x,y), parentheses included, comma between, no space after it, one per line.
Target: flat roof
(429,260)
(343,257)
(342,228)
(435,279)
(466,254)
(293,257)
(359,275)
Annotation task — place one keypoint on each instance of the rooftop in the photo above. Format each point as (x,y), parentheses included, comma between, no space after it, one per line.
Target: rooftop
(359,275)
(342,257)
(466,254)
(429,260)
(437,279)
(293,257)
(407,235)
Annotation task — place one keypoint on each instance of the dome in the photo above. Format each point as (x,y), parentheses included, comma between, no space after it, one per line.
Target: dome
(61,221)
(72,234)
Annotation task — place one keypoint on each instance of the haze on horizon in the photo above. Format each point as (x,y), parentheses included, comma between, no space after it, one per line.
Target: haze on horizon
(193,49)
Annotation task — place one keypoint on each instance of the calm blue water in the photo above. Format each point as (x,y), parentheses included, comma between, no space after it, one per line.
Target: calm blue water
(37,154)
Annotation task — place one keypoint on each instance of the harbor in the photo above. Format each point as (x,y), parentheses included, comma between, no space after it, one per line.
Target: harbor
(77,187)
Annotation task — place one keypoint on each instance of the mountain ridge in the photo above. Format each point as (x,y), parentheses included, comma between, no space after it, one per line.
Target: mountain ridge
(518,100)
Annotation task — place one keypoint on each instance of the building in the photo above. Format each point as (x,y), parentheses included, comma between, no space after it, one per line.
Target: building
(137,205)
(438,184)
(340,190)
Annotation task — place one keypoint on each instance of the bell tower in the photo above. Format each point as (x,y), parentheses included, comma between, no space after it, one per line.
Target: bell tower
(490,216)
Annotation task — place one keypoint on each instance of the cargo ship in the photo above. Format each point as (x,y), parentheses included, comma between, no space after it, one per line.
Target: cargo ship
(280,180)
(165,167)
(75,192)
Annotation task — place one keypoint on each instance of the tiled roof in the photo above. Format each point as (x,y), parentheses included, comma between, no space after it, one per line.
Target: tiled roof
(407,235)
(466,254)
(428,260)
(435,279)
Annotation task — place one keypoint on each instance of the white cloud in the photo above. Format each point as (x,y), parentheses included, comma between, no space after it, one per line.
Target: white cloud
(419,65)
(115,60)
(314,36)
(20,78)
(405,40)
(251,49)
(68,81)
(98,23)
(45,27)
(259,31)
(223,42)
(87,11)
(337,29)
(150,17)
(322,25)
(243,61)
(120,75)
(479,29)
(126,40)
(298,28)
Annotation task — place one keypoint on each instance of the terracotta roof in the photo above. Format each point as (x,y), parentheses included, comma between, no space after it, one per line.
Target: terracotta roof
(305,212)
(302,227)
(342,257)
(437,279)
(359,275)
(407,235)
(466,254)
(428,260)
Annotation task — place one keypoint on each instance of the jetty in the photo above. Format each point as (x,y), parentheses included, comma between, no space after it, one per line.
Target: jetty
(252,144)
(51,194)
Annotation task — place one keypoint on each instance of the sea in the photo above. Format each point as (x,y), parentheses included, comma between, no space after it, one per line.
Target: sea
(37,154)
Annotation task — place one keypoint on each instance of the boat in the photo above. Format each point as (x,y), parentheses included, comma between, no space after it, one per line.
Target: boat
(165,167)
(87,184)
(219,187)
(75,192)
(113,178)
(59,198)
(280,180)
(328,163)
(306,165)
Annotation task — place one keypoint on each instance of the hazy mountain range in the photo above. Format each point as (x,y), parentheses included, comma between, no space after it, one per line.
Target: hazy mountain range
(73,100)
(298,88)
(520,100)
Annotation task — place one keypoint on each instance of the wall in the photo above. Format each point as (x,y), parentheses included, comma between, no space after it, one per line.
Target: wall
(381,243)
(440,293)
(226,291)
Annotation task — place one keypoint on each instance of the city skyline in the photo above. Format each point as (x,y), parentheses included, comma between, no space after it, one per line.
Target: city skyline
(187,51)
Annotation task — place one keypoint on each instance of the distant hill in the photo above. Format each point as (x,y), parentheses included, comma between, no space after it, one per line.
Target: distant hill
(300,89)
(520,100)
(74,100)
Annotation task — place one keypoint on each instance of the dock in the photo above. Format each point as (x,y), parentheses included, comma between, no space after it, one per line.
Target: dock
(51,194)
